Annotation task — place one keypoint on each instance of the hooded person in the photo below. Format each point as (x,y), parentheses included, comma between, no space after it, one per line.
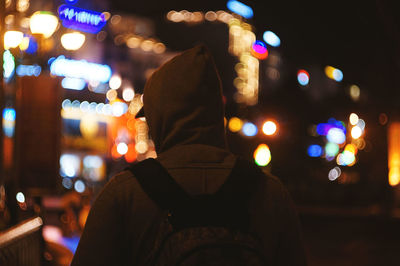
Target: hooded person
(183,106)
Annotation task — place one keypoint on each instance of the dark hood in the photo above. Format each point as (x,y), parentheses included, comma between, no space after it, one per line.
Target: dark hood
(183,102)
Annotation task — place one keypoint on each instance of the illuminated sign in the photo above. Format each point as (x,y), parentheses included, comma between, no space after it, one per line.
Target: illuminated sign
(28,70)
(81,19)
(80,69)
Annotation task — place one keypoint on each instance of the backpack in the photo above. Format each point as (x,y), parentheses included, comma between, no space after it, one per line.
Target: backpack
(210,229)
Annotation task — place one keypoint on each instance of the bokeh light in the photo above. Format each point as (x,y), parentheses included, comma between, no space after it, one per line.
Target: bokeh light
(235,124)
(356,132)
(271,38)
(331,149)
(334,73)
(79,186)
(122,148)
(353,119)
(262,155)
(20,197)
(240,8)
(334,173)
(128,94)
(72,41)
(115,82)
(12,39)
(249,129)
(259,50)
(43,22)
(336,135)
(314,150)
(303,77)
(269,128)
(355,92)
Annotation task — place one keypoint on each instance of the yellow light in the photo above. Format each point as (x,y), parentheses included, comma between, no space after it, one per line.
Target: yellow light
(159,48)
(12,39)
(356,132)
(235,124)
(394,176)
(133,42)
(43,22)
(329,71)
(72,41)
(269,128)
(262,155)
(111,95)
(24,44)
(394,153)
(353,119)
(355,92)
(210,16)
(147,45)
(351,148)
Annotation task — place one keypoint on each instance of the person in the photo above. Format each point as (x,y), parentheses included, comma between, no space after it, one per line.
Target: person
(184,109)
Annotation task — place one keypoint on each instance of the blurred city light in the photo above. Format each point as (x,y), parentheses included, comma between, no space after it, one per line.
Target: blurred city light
(20,197)
(73,83)
(351,148)
(355,92)
(269,128)
(43,22)
(353,119)
(262,155)
(115,82)
(334,73)
(12,39)
(271,39)
(336,135)
(9,116)
(141,147)
(81,19)
(361,124)
(28,70)
(394,153)
(331,149)
(22,5)
(119,108)
(356,132)
(128,94)
(67,183)
(314,150)
(249,129)
(64,67)
(122,148)
(346,158)
(70,165)
(383,119)
(334,173)
(72,41)
(303,77)
(235,124)
(79,186)
(240,8)
(259,50)
(8,64)
(28,45)
(211,16)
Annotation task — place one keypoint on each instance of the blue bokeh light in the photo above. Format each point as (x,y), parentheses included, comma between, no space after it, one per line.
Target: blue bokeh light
(249,129)
(271,38)
(240,8)
(314,150)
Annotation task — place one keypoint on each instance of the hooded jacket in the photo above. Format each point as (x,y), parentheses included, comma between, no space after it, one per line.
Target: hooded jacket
(184,110)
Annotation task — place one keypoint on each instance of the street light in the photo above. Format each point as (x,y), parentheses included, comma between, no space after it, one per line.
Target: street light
(43,22)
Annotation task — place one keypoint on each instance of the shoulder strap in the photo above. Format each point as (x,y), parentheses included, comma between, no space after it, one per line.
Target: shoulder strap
(158,184)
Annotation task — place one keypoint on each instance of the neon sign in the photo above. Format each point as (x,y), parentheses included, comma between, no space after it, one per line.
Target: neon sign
(80,69)
(81,19)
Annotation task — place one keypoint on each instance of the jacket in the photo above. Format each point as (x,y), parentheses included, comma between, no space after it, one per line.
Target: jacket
(184,110)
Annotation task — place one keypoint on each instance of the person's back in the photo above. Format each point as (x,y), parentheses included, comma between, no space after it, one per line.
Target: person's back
(184,110)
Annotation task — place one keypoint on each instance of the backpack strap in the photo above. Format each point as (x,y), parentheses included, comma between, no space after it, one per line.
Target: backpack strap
(158,184)
(167,194)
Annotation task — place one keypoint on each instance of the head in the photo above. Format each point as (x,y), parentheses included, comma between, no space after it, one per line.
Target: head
(183,102)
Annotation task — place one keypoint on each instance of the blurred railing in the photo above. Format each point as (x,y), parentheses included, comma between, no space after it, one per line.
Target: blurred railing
(22,244)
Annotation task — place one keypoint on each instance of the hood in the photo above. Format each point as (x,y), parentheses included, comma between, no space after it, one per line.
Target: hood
(183,103)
